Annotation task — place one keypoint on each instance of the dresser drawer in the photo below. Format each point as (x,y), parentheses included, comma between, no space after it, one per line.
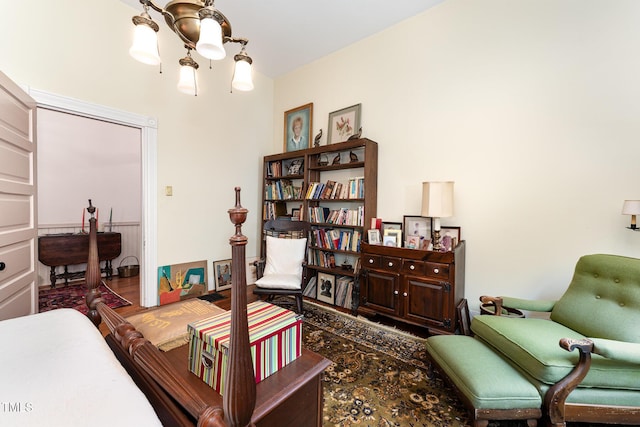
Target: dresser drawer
(371,261)
(391,263)
(410,266)
(436,270)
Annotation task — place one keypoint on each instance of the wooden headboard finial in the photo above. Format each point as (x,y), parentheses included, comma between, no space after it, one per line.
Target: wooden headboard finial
(93,275)
(240,400)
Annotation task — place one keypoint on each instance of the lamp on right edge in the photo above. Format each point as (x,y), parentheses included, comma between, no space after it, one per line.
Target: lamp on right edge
(632,207)
(437,202)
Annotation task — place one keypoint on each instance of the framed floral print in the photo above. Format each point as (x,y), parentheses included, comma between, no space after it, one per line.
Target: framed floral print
(343,123)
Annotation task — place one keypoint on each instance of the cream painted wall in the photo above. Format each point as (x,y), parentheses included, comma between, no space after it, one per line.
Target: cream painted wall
(531,107)
(207,144)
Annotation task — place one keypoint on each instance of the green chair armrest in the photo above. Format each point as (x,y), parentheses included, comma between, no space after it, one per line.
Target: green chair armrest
(517,303)
(544,306)
(617,350)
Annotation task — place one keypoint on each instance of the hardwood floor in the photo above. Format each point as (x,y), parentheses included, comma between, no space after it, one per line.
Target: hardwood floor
(129,288)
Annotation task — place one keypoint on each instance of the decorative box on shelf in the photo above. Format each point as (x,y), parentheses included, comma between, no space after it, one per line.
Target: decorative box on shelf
(275,335)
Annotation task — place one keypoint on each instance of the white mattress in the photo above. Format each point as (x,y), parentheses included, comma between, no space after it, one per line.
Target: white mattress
(57,370)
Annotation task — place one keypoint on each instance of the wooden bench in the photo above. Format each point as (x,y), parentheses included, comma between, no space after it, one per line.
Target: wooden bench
(489,386)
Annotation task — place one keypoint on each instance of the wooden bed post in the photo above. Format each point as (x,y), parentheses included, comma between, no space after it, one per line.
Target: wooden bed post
(240,398)
(93,276)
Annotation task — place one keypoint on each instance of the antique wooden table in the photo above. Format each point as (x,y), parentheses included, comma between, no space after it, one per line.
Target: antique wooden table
(71,249)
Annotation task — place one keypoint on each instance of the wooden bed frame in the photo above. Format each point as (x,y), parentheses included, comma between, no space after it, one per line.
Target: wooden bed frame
(176,401)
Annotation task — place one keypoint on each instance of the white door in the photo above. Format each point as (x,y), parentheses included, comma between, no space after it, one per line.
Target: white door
(18,229)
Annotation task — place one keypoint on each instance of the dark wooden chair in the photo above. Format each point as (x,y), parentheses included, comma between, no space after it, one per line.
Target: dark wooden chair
(284,269)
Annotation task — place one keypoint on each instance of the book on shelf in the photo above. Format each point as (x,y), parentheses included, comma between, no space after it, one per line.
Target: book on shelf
(356,188)
(273,210)
(310,290)
(274,169)
(344,291)
(336,239)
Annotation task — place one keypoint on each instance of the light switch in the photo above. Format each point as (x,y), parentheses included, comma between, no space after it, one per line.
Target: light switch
(168,190)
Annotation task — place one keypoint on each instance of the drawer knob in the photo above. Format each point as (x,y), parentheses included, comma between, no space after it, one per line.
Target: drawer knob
(412,267)
(395,292)
(390,264)
(370,261)
(436,270)
(2,265)
(405,294)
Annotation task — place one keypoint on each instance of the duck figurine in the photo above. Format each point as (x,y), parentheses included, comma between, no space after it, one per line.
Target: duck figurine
(316,140)
(336,160)
(356,135)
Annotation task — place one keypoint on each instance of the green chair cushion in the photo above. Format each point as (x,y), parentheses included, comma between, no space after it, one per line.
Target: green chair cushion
(532,345)
(603,298)
(487,380)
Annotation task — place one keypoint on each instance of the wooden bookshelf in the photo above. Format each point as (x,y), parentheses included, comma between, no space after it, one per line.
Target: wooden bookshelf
(346,213)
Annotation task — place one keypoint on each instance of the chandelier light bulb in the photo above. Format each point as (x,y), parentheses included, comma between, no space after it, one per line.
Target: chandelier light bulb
(187,83)
(145,43)
(242,75)
(210,42)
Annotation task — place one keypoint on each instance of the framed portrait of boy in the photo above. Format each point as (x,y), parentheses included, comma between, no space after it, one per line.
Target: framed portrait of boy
(298,123)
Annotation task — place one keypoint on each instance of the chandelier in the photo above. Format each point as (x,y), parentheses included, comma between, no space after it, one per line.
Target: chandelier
(200,26)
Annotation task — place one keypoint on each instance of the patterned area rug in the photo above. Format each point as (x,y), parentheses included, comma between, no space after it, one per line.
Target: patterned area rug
(378,376)
(73,296)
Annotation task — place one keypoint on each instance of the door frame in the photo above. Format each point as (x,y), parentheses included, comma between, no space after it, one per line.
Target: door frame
(149,143)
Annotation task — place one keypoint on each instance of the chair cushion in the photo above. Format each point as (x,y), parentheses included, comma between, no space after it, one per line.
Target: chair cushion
(533,345)
(285,256)
(279,281)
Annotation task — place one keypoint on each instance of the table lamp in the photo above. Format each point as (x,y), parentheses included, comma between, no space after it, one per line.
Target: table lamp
(632,207)
(437,202)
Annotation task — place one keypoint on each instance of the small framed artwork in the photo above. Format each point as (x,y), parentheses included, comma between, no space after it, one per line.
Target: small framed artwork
(392,237)
(343,123)
(295,214)
(222,270)
(374,237)
(464,320)
(390,226)
(295,167)
(298,123)
(449,238)
(418,226)
(413,242)
(326,287)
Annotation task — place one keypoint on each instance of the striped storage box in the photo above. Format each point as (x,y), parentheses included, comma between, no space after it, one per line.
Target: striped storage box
(275,335)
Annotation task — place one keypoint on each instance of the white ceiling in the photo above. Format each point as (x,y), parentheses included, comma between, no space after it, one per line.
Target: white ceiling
(287,34)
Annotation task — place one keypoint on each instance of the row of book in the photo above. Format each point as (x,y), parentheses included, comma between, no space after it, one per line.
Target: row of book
(271,210)
(282,189)
(342,216)
(354,189)
(344,240)
(321,259)
(344,291)
(292,167)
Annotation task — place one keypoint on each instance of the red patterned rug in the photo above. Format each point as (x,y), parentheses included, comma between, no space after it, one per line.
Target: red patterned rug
(72,296)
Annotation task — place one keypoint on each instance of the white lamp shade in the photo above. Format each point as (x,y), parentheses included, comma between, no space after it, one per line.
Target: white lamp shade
(631,207)
(145,45)
(187,82)
(437,199)
(242,76)
(210,42)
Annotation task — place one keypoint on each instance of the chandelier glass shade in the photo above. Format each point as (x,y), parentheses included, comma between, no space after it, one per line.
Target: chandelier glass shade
(201,27)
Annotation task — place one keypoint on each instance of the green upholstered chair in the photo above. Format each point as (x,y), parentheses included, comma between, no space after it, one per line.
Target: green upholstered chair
(599,316)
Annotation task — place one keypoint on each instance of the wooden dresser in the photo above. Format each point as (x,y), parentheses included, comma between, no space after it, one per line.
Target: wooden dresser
(414,286)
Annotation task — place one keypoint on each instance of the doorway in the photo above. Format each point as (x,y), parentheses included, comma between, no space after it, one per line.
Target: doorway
(148,142)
